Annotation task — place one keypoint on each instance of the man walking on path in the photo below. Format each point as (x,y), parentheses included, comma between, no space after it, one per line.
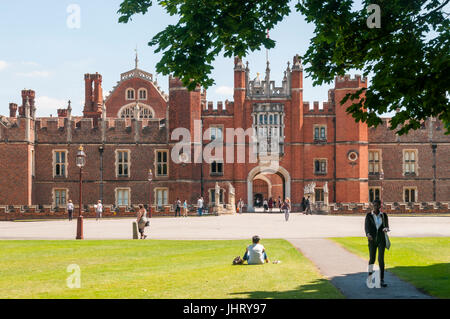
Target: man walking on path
(70,209)
(376,225)
(98,209)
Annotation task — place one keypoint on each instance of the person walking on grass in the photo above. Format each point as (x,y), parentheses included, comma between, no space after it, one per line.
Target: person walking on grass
(70,210)
(142,221)
(98,210)
(376,226)
(286,207)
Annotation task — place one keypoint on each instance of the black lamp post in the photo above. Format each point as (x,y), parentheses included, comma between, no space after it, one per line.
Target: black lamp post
(150,178)
(80,162)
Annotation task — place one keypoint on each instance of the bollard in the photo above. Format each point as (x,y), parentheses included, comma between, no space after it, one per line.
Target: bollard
(135,230)
(80,227)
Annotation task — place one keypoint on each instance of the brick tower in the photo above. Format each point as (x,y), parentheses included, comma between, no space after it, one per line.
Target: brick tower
(351,145)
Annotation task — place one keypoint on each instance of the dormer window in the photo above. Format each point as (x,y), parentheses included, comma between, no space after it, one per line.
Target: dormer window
(130,94)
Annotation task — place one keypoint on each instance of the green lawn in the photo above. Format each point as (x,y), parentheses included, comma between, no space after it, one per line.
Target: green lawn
(424,262)
(156,269)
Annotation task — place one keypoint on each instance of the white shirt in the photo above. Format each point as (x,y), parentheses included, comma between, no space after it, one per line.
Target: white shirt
(200,203)
(378,219)
(69,206)
(99,208)
(255,254)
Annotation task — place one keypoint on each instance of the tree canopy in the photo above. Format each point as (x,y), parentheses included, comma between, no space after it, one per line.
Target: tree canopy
(407,54)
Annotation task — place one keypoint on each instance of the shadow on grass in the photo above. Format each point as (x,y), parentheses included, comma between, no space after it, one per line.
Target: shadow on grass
(319,289)
(432,279)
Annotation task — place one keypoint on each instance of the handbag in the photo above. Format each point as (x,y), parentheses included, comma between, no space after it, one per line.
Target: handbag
(148,224)
(386,237)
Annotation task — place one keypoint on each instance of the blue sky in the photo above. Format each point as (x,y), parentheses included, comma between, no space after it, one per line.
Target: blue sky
(39,51)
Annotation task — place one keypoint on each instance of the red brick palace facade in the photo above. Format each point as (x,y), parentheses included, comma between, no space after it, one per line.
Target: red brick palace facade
(320,147)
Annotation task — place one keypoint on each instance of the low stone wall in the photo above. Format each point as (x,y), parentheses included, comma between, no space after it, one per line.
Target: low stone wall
(10,213)
(392,208)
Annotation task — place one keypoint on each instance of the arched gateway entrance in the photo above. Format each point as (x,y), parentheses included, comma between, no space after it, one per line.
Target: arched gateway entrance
(264,184)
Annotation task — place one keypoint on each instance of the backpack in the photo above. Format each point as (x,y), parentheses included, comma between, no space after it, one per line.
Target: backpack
(238,261)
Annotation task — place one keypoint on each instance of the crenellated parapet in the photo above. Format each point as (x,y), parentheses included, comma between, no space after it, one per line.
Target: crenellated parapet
(82,130)
(347,82)
(221,109)
(316,107)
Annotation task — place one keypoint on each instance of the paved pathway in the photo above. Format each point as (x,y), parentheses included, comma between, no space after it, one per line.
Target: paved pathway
(227,227)
(348,272)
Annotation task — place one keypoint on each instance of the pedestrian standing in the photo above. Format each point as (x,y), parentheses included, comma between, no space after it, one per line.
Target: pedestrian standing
(70,210)
(270,204)
(142,221)
(376,226)
(303,205)
(185,208)
(240,206)
(279,203)
(265,205)
(98,210)
(308,207)
(177,207)
(200,206)
(286,207)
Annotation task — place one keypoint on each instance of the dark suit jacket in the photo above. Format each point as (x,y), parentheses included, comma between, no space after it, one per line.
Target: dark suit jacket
(371,228)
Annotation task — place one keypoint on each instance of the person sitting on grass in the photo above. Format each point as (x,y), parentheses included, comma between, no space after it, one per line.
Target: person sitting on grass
(256,253)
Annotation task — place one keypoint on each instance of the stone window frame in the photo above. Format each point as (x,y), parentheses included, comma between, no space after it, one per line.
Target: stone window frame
(210,131)
(416,194)
(133,98)
(155,196)
(130,109)
(315,194)
(66,164)
(156,163)
(326,166)
(416,162)
(380,161)
(217,161)
(139,94)
(374,188)
(213,191)
(66,190)
(320,126)
(116,195)
(117,162)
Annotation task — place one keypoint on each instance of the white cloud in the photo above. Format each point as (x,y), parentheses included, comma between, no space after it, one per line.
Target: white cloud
(30,63)
(47,105)
(224,90)
(3,65)
(34,74)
